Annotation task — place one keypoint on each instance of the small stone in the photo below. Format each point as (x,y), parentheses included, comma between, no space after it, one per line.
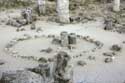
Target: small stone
(78,36)
(42,60)
(39,29)
(91,40)
(48,50)
(27,36)
(2,62)
(17,29)
(33,26)
(108,60)
(123,42)
(109,54)
(81,63)
(98,43)
(51,36)
(36,36)
(50,59)
(22,29)
(91,57)
(116,47)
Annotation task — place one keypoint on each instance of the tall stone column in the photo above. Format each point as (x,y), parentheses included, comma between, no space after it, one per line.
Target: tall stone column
(41,5)
(63,10)
(116,5)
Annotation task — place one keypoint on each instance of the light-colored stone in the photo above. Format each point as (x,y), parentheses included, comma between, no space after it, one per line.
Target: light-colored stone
(63,10)
(116,5)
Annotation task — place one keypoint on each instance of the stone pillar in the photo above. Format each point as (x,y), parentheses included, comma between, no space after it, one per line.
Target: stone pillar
(29,15)
(116,5)
(72,38)
(41,7)
(64,39)
(63,71)
(63,10)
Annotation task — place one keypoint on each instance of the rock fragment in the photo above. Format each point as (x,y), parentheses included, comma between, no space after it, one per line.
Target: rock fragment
(48,50)
(91,57)
(81,63)
(110,54)
(108,60)
(116,47)
(33,26)
(56,41)
(22,76)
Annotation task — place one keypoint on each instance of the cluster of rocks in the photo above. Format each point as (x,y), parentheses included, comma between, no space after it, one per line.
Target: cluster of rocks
(110,56)
(13,42)
(66,39)
(70,40)
(97,43)
(58,71)
(43,70)
(108,60)
(15,22)
(115,23)
(21,76)
(27,17)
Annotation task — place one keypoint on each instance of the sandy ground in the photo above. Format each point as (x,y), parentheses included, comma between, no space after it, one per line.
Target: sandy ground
(94,72)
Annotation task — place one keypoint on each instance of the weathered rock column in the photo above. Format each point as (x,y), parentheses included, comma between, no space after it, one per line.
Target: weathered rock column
(64,39)
(63,10)
(116,5)
(41,5)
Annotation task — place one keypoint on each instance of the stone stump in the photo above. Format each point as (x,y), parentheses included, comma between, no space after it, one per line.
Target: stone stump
(72,38)
(64,39)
